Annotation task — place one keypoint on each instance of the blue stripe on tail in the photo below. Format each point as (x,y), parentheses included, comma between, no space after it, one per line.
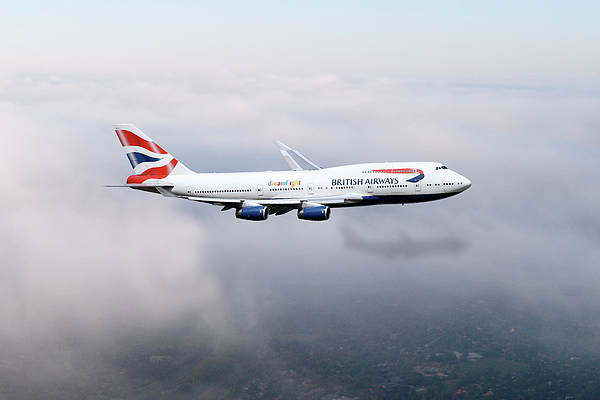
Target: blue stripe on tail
(136,158)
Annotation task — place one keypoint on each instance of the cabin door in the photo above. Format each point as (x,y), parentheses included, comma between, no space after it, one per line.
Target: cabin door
(311,188)
(259,190)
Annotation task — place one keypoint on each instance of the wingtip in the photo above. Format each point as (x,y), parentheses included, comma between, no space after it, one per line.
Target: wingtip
(281,145)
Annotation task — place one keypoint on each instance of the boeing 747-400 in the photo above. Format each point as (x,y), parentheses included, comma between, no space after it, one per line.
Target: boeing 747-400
(309,189)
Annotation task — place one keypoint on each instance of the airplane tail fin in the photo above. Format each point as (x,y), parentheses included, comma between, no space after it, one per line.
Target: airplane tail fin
(148,159)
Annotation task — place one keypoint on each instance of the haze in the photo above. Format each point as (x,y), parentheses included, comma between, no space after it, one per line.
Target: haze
(505,94)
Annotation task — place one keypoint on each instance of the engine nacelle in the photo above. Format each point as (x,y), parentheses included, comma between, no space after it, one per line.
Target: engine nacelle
(258,213)
(319,213)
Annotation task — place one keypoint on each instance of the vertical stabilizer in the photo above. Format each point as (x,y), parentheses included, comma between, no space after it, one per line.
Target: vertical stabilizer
(147,158)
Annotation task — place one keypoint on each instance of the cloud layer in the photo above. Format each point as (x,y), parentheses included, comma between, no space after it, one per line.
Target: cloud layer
(97,264)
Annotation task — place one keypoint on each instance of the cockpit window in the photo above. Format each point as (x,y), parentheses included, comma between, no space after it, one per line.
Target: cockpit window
(442,167)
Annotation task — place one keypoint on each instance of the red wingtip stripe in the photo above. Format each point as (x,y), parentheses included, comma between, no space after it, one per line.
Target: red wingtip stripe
(128,138)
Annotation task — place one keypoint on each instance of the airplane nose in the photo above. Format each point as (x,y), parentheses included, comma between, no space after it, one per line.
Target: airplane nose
(466,183)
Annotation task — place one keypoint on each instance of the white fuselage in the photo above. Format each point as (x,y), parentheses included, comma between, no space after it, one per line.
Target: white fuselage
(307,188)
(376,183)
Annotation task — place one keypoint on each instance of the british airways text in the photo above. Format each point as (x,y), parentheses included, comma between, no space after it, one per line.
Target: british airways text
(371,181)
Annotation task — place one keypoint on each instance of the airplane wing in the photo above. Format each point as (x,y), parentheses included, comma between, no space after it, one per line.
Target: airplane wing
(282,205)
(296,160)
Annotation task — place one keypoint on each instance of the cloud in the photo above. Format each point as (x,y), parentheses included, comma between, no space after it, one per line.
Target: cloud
(78,252)
(97,264)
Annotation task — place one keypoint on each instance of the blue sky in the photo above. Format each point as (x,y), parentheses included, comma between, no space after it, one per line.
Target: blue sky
(506,94)
(456,39)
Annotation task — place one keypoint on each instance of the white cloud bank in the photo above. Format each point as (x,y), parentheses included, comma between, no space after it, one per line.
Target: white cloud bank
(78,257)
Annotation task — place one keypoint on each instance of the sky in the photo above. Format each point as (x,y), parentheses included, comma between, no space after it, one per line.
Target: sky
(465,38)
(506,94)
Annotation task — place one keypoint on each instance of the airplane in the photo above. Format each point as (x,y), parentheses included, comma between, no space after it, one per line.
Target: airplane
(308,188)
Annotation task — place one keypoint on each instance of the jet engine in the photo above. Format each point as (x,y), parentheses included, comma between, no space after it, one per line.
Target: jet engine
(258,213)
(319,213)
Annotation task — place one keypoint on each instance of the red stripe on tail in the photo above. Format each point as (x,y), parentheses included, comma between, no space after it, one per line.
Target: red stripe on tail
(153,173)
(128,138)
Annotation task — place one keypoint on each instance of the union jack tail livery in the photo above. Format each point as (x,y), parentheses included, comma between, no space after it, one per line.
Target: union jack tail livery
(148,159)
